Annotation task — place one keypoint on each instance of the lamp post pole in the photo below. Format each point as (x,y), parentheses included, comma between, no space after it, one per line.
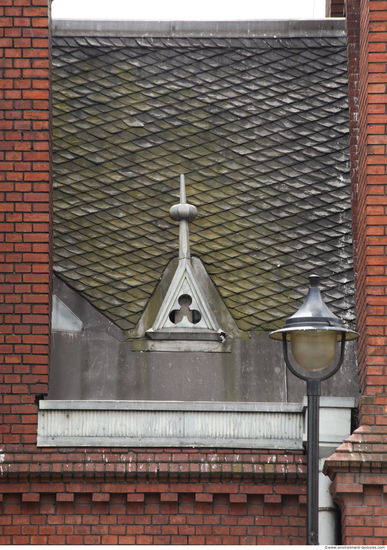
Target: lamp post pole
(313,392)
(313,332)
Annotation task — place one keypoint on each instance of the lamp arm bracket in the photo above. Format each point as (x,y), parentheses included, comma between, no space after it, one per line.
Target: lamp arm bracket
(323,377)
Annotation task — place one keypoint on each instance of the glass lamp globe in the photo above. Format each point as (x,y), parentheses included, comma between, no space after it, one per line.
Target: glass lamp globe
(313,350)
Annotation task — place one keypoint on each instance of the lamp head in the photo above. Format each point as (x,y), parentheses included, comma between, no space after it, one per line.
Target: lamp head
(313,331)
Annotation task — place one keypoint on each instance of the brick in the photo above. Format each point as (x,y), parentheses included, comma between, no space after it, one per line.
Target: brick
(30,497)
(135,497)
(65,497)
(100,497)
(240,498)
(272,499)
(169,497)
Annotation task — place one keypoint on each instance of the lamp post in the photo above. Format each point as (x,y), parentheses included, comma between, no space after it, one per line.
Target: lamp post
(313,332)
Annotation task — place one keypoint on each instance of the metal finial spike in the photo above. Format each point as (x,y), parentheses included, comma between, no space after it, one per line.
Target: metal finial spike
(183,213)
(183,199)
(314,280)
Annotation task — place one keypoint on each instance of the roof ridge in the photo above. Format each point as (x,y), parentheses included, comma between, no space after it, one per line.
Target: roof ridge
(212,29)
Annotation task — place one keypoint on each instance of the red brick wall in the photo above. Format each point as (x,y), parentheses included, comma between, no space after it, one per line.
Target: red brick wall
(335,8)
(152,518)
(358,467)
(25,180)
(353,16)
(363,517)
(371,282)
(154,496)
(361,267)
(363,508)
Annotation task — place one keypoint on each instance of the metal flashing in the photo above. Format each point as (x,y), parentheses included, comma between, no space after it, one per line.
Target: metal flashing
(188,424)
(62,318)
(335,422)
(138,405)
(170,424)
(224,29)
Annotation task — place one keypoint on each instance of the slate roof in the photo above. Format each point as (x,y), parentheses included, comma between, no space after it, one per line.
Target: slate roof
(260,128)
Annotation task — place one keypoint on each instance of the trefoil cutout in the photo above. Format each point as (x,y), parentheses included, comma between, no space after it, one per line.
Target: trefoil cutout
(185,313)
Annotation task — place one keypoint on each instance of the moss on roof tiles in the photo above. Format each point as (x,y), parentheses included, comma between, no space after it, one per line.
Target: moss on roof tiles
(259,127)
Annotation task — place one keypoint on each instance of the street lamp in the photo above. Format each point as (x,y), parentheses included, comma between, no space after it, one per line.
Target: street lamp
(313,332)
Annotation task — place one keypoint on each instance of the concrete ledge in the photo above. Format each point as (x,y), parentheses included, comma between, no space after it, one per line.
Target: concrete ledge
(211,29)
(236,443)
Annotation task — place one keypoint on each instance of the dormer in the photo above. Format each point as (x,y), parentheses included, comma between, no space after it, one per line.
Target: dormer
(185,313)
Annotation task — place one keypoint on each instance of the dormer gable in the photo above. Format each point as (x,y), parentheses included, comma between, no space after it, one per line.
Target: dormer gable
(185,313)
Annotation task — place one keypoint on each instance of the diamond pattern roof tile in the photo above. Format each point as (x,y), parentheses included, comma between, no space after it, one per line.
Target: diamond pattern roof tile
(260,128)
